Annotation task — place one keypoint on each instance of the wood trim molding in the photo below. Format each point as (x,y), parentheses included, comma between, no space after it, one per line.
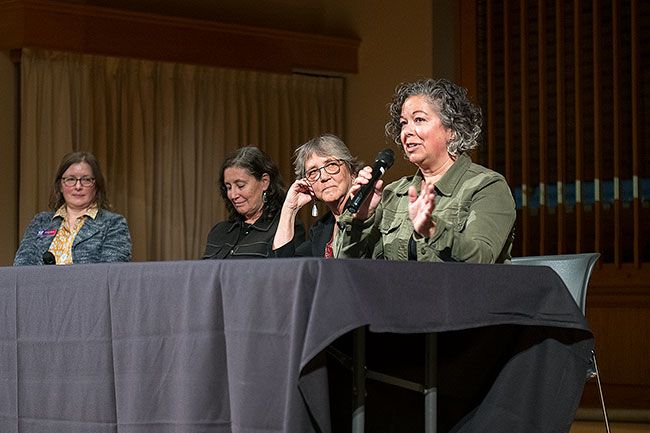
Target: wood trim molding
(98,30)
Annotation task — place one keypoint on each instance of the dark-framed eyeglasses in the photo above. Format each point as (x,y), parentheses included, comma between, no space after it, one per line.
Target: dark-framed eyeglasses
(333,167)
(72,181)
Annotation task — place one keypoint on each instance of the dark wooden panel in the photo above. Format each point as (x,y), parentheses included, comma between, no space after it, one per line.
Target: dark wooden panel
(616,396)
(618,310)
(584,72)
(88,29)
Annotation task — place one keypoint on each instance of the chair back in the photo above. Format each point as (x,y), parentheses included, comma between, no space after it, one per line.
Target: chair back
(573,269)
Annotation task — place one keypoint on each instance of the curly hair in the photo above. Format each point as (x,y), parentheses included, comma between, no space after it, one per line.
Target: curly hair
(324,145)
(256,163)
(101,197)
(450,102)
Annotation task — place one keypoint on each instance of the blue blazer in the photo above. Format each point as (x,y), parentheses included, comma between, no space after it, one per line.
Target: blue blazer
(103,239)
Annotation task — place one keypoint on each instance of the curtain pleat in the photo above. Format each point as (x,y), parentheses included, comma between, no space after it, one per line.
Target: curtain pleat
(160,132)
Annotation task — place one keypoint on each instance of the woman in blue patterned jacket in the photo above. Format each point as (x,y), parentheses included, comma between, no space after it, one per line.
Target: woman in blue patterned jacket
(79,228)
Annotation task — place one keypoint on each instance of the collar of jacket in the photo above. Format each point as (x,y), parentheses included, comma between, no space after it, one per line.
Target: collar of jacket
(447,182)
(262,224)
(91,226)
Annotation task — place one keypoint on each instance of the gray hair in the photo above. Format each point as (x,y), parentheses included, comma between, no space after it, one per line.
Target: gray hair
(324,145)
(450,102)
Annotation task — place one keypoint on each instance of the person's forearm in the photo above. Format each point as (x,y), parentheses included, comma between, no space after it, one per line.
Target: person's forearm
(285,231)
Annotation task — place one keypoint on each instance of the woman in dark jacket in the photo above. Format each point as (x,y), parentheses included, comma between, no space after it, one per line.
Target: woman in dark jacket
(253,192)
(325,170)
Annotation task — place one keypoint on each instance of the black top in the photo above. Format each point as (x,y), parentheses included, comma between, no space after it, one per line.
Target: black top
(319,235)
(239,240)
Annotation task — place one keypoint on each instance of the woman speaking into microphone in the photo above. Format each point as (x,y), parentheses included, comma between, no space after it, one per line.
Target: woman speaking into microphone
(451,209)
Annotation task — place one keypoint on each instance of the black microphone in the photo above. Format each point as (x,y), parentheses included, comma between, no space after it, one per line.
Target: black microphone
(383,162)
(48,258)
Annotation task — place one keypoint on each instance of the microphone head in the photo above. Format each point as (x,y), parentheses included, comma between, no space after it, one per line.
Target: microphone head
(48,258)
(386,158)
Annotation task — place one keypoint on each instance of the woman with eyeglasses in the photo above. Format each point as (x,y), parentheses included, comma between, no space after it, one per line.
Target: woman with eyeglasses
(325,171)
(79,228)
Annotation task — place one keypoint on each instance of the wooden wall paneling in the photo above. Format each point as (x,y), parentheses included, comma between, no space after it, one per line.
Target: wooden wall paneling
(618,305)
(636,201)
(618,310)
(525,153)
(491,118)
(560,123)
(595,41)
(467,45)
(98,30)
(507,91)
(616,85)
(543,133)
(615,363)
(578,125)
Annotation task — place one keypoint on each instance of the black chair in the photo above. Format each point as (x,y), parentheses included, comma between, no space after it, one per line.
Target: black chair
(575,271)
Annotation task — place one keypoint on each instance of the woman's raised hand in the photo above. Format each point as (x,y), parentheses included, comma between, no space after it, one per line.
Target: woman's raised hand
(299,194)
(420,208)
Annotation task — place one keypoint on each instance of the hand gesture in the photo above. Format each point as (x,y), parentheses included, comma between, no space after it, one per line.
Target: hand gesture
(420,209)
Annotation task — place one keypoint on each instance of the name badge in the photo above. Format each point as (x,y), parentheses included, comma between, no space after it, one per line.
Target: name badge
(46,233)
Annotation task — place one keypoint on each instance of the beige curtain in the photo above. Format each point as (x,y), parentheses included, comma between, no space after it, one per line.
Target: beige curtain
(160,132)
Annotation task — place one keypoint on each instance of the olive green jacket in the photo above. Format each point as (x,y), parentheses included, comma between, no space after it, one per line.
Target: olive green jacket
(474,216)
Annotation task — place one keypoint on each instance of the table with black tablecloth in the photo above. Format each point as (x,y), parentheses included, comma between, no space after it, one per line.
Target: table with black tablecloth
(237,346)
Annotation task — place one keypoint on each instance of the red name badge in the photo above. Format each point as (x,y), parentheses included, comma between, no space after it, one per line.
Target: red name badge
(46,233)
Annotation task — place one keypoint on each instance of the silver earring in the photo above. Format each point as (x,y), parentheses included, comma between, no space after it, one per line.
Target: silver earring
(264,197)
(314,210)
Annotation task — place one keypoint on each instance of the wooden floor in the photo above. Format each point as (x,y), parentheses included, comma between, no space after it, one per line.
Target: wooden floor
(599,427)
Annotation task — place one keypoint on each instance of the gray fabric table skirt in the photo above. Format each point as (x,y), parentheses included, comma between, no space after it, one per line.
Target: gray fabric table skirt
(236,346)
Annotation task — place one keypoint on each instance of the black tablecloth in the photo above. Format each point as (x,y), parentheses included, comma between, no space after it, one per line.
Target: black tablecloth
(233,346)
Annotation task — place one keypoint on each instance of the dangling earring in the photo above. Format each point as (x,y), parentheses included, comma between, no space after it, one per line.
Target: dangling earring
(264,197)
(314,210)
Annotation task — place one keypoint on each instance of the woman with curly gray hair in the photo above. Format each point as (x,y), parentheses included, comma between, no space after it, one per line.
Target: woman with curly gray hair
(451,209)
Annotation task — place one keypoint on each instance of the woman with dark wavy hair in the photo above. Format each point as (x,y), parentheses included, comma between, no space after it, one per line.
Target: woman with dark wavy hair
(79,228)
(451,209)
(253,191)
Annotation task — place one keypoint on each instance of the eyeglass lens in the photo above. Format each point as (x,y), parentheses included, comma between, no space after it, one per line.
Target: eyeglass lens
(72,181)
(330,168)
